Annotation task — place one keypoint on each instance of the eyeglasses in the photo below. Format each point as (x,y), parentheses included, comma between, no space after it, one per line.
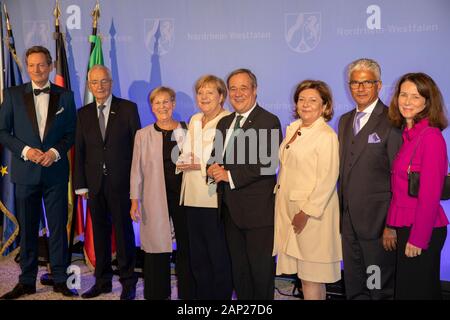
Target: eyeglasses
(102,82)
(164,103)
(367,84)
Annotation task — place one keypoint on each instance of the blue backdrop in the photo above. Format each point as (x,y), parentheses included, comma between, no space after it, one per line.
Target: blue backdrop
(173,42)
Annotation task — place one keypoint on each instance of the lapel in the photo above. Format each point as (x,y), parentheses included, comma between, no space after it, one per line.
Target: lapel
(291,130)
(93,116)
(346,137)
(251,118)
(113,112)
(52,108)
(222,127)
(362,137)
(180,136)
(29,105)
(226,125)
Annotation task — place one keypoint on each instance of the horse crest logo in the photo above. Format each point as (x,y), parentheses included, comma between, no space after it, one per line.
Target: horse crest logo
(303,31)
(159,35)
(38,33)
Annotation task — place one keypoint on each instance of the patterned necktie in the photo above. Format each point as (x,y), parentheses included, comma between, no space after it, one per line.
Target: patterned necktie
(101,120)
(357,123)
(237,126)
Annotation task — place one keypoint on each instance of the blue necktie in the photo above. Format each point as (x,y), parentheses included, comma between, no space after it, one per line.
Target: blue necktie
(357,123)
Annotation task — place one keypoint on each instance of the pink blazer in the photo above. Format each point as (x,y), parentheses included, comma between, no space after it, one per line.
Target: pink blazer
(147,184)
(424,212)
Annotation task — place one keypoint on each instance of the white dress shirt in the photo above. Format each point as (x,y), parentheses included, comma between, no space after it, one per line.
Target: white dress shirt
(228,136)
(41,107)
(368,111)
(106,110)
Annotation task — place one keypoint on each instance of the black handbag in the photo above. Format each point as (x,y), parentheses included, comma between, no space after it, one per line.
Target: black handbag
(414,180)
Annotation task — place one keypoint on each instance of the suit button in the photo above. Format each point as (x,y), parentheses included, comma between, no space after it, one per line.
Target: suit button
(278,186)
(104,148)
(287,147)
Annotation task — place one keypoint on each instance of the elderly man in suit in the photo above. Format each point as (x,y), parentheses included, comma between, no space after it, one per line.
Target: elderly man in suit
(245,174)
(368,145)
(103,153)
(37,123)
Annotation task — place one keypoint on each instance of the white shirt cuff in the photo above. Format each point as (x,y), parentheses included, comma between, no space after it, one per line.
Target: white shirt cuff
(230,180)
(56,153)
(24,153)
(81,191)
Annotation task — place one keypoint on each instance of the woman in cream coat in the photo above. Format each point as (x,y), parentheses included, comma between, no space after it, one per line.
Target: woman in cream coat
(307,239)
(208,250)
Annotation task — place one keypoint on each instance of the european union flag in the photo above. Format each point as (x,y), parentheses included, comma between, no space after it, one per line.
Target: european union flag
(9,237)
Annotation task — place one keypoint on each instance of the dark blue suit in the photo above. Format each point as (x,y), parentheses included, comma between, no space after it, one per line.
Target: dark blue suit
(19,128)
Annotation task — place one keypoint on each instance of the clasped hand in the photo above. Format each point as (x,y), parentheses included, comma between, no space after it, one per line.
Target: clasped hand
(299,222)
(218,173)
(44,159)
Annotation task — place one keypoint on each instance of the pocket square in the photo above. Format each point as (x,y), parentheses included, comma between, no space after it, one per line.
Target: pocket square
(374,138)
(59,111)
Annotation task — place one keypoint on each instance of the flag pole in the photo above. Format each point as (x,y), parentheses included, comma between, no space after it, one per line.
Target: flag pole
(2,59)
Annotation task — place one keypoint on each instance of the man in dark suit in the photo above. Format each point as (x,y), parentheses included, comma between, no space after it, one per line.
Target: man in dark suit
(103,153)
(368,145)
(37,123)
(245,159)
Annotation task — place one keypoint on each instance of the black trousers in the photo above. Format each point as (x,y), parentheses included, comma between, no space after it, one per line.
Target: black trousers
(111,208)
(359,255)
(157,276)
(29,207)
(418,278)
(210,260)
(252,264)
(185,278)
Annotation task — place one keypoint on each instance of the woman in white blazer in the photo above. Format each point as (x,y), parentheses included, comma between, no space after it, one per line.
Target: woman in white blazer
(155,186)
(307,239)
(208,250)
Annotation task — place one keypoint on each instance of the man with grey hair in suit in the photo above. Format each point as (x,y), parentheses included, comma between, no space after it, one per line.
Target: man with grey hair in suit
(103,152)
(368,145)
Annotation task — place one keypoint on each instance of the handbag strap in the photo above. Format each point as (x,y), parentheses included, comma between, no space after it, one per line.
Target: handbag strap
(415,148)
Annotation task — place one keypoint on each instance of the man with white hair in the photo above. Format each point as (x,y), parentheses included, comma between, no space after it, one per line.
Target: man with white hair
(103,153)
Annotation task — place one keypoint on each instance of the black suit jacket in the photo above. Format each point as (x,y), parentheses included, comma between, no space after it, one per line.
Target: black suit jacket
(116,152)
(365,170)
(251,203)
(19,128)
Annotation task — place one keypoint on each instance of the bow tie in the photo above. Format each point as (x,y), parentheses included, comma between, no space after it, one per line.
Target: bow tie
(39,91)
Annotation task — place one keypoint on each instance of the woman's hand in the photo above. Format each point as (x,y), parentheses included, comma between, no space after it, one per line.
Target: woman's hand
(412,251)
(188,162)
(188,166)
(135,211)
(389,239)
(299,222)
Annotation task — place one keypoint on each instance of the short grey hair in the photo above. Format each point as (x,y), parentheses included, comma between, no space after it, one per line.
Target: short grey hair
(99,67)
(365,64)
(247,72)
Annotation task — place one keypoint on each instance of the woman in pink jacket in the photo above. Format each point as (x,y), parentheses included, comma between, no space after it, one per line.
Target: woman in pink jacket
(418,223)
